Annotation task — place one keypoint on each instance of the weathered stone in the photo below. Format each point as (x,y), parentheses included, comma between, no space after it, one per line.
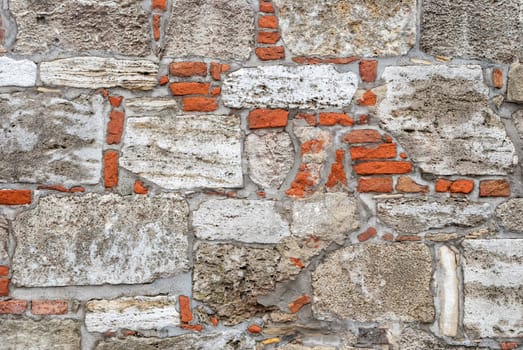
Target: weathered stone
(320,142)
(440,115)
(225,32)
(312,87)
(45,334)
(97,239)
(230,339)
(184,151)
(48,139)
(375,282)
(414,339)
(447,291)
(117,25)
(510,213)
(417,214)
(347,28)
(472,29)
(150,107)
(493,280)
(515,83)
(100,72)
(17,72)
(4,240)
(328,216)
(250,221)
(441,237)
(270,157)
(137,313)
(517,117)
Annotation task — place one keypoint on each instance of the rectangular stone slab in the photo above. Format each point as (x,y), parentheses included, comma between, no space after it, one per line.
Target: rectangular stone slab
(93,239)
(17,72)
(44,334)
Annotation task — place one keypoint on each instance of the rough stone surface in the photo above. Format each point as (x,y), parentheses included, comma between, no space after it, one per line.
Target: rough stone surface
(45,138)
(314,86)
(440,115)
(417,214)
(227,340)
(510,214)
(493,280)
(414,339)
(328,216)
(515,83)
(226,31)
(447,291)
(347,28)
(517,118)
(99,72)
(97,239)
(374,282)
(150,107)
(4,240)
(17,72)
(184,151)
(472,29)
(270,157)
(250,221)
(45,334)
(137,313)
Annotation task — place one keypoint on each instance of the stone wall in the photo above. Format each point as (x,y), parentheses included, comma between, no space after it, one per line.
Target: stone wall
(273,174)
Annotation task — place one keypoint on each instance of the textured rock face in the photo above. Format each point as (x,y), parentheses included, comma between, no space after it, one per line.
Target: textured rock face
(48,139)
(184,151)
(46,334)
(17,72)
(316,86)
(97,239)
(270,157)
(472,29)
(226,31)
(510,214)
(375,282)
(347,28)
(115,25)
(138,313)
(414,339)
(150,107)
(100,72)
(440,115)
(414,215)
(250,221)
(515,83)
(493,278)
(4,239)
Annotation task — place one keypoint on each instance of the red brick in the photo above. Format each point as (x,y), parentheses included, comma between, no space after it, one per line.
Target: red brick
(368,70)
(254,328)
(387,237)
(403,155)
(497,78)
(297,262)
(382,151)
(337,175)
(329,119)
(375,184)
(341,60)
(363,136)
(15,197)
(115,101)
(214,321)
(368,99)
(462,186)
(506,345)
(185,309)
(266,7)
(302,184)
(215,70)
(4,271)
(268,118)
(164,79)
(188,69)
(408,238)
(4,287)
(160,4)
(307,60)
(110,169)
(200,104)
(139,187)
(192,327)
(76,189)
(494,188)
(443,185)
(225,67)
(368,234)
(378,168)
(363,119)
(115,127)
(312,146)
(156,27)
(268,37)
(270,53)
(268,22)
(14,307)
(189,88)
(58,188)
(407,185)
(49,307)
(216,91)
(298,303)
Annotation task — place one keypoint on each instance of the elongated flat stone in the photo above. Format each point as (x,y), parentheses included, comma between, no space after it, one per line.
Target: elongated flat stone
(4,240)
(17,72)
(44,334)
(150,106)
(515,84)
(250,221)
(137,313)
(314,86)
(441,116)
(184,151)
(97,239)
(447,291)
(98,72)
(48,139)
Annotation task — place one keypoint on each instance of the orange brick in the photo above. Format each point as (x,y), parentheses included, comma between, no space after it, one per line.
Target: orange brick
(110,169)
(270,53)
(4,287)
(497,78)
(157,19)
(337,175)
(382,151)
(115,101)
(297,262)
(329,119)
(341,60)
(115,127)
(76,189)
(188,69)
(268,118)
(254,328)
(494,188)
(268,22)
(268,37)
(379,168)
(58,188)
(363,119)
(14,307)
(160,4)
(298,303)
(49,307)
(139,187)
(189,88)
(200,104)
(4,271)
(185,309)
(192,327)
(216,91)
(363,136)
(462,186)
(368,99)
(214,321)
(266,7)
(15,197)
(164,79)
(215,70)
(508,345)
(407,185)
(368,234)
(375,184)
(312,146)
(443,185)
(307,60)
(368,70)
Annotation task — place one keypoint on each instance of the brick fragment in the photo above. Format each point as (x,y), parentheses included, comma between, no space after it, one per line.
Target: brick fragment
(363,136)
(188,69)
(307,60)
(298,303)
(4,271)
(192,327)
(58,188)
(443,185)
(214,321)
(270,53)
(312,146)
(254,329)
(164,79)
(49,307)
(189,88)
(302,184)
(216,91)
(139,187)
(76,189)
(330,119)
(363,119)
(268,22)
(508,345)
(407,185)
(368,70)
(310,118)
(367,234)
(15,197)
(382,151)
(369,98)
(297,262)
(13,307)
(266,7)
(341,60)
(497,78)
(115,101)
(156,27)
(200,104)
(377,168)
(215,70)
(4,287)
(494,188)
(387,237)
(375,184)
(462,186)
(185,309)
(337,174)
(115,127)
(268,37)
(160,4)
(110,169)
(268,118)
